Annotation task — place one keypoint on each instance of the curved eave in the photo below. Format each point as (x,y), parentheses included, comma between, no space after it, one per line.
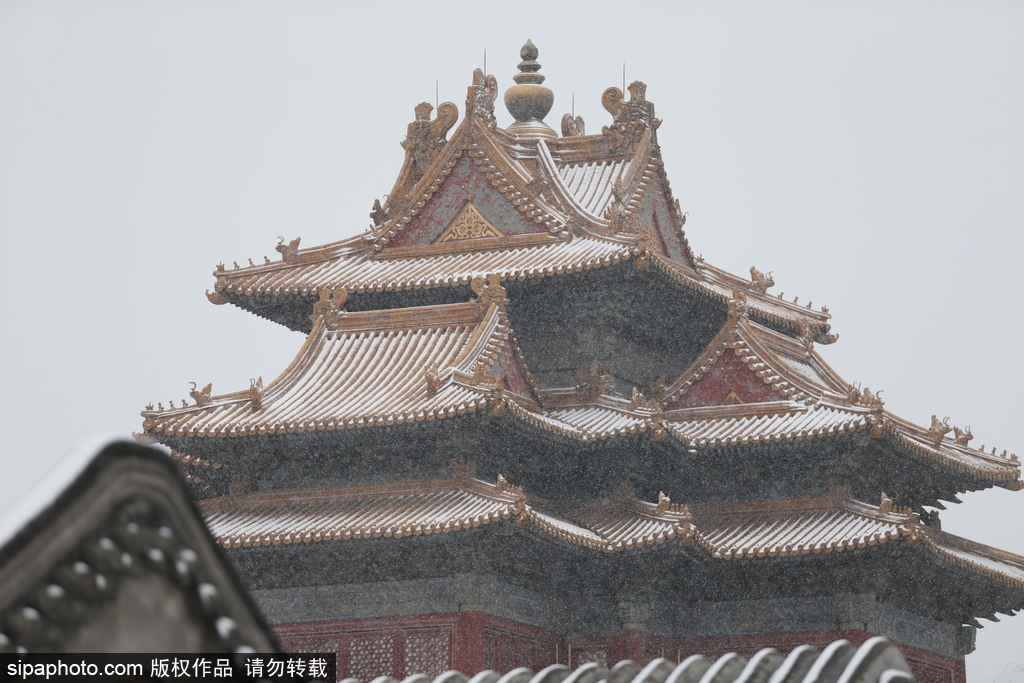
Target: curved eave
(367,372)
(991,468)
(423,509)
(718,285)
(998,565)
(725,532)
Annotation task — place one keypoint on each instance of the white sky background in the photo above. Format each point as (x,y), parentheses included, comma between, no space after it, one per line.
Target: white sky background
(870,154)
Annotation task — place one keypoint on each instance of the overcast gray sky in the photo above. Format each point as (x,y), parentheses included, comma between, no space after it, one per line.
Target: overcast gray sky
(871,154)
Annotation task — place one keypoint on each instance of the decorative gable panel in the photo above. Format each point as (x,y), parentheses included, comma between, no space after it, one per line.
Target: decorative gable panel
(657,215)
(469,225)
(728,382)
(509,367)
(466,185)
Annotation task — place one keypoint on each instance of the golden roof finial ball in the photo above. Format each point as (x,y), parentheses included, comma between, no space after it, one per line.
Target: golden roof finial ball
(528,101)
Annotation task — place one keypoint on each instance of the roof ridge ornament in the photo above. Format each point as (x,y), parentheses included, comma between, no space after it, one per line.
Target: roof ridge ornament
(256,393)
(887,506)
(201,397)
(480,97)
(805,334)
(435,381)
(595,380)
(488,291)
(425,138)
(288,251)
(738,306)
(665,504)
(630,118)
(760,282)
(216,297)
(528,101)
(573,126)
(329,306)
(865,398)
(640,402)
(961,437)
(938,430)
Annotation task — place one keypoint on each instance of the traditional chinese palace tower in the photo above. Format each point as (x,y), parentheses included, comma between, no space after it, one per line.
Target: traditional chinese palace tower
(527,425)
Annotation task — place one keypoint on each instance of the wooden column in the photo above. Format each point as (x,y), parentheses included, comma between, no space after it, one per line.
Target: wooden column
(468,643)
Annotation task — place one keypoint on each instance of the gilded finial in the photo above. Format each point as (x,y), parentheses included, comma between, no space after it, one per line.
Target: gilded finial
(528,101)
(529,67)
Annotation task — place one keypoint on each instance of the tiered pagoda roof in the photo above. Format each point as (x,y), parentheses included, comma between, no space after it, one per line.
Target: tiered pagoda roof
(477,269)
(751,387)
(621,523)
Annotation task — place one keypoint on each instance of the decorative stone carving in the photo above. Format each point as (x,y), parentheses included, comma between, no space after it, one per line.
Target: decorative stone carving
(216,297)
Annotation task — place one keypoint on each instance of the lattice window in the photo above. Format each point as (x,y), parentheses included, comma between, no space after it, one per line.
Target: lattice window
(371,656)
(587,656)
(427,653)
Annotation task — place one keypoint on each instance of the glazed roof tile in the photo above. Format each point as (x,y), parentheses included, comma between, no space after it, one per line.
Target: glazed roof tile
(758,423)
(720,285)
(998,564)
(599,421)
(729,531)
(591,183)
(961,457)
(424,508)
(357,270)
(797,527)
(365,369)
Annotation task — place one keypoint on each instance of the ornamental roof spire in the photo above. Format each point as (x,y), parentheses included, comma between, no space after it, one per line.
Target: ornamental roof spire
(528,101)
